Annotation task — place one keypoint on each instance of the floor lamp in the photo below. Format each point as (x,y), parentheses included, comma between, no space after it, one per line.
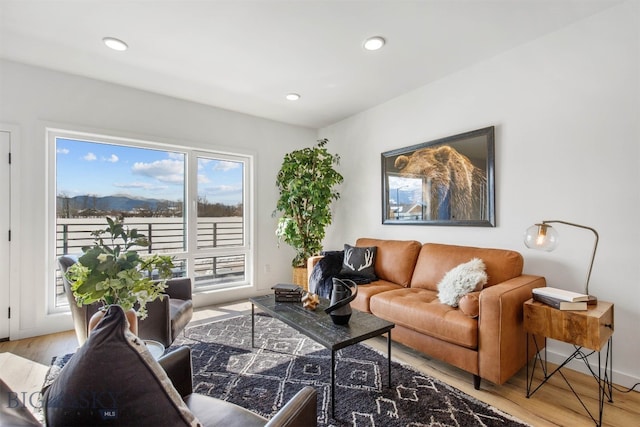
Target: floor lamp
(544,237)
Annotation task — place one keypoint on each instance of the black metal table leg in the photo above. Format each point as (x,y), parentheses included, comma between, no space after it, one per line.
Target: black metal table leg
(333,384)
(389,357)
(602,376)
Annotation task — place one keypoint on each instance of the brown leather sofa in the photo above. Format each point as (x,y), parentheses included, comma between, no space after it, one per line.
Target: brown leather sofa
(490,346)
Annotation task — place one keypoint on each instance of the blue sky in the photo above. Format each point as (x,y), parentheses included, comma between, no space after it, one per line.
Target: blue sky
(84,167)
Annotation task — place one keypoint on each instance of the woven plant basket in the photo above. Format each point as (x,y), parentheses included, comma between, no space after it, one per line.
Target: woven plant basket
(300,277)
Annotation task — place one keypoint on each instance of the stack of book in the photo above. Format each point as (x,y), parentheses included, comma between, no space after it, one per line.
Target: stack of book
(287,293)
(561,299)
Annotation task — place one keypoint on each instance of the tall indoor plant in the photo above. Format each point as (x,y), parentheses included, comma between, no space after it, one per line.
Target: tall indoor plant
(306,181)
(112,272)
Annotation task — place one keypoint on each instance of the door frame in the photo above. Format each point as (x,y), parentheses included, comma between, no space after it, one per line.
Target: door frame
(14,222)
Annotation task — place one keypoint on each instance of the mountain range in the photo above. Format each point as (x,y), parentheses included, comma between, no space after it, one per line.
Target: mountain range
(123,203)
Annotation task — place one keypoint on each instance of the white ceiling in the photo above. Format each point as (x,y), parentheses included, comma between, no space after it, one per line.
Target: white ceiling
(246,55)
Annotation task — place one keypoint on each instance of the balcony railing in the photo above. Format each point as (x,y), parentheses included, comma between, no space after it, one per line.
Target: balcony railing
(165,235)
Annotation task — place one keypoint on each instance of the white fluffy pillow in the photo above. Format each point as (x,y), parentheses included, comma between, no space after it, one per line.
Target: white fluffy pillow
(461,280)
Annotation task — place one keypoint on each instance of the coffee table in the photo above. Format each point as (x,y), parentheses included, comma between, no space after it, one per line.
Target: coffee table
(318,326)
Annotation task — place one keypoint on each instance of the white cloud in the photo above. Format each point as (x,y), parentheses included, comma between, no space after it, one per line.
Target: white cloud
(202,162)
(62,151)
(176,156)
(224,166)
(112,159)
(171,171)
(227,194)
(90,157)
(202,179)
(140,185)
(219,190)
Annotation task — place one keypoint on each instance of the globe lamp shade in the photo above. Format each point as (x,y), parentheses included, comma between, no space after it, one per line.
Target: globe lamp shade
(541,236)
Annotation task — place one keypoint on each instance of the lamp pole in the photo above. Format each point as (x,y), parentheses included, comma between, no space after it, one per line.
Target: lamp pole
(595,246)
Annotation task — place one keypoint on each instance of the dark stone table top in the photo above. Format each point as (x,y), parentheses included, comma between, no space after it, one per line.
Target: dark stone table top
(318,325)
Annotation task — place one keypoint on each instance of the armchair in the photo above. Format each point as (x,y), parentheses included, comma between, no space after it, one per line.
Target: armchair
(300,411)
(114,380)
(167,317)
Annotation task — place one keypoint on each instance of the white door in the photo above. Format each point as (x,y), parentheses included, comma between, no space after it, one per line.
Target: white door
(5,208)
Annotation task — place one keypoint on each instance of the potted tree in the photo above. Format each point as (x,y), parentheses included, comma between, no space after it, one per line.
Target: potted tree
(306,181)
(111,271)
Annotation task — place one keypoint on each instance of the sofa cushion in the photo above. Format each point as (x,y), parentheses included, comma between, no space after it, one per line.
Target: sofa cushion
(359,262)
(421,311)
(435,260)
(460,280)
(395,259)
(113,379)
(365,292)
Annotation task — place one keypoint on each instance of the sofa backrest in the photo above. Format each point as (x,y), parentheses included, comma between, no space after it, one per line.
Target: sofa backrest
(395,259)
(435,260)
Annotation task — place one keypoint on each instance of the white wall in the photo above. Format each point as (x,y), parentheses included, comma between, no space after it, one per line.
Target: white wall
(566,109)
(34,97)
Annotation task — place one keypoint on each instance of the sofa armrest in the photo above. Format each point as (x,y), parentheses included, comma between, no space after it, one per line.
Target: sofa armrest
(13,411)
(501,335)
(177,365)
(179,288)
(311,262)
(157,325)
(300,411)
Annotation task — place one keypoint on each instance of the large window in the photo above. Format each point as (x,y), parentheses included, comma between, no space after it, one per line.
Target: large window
(191,204)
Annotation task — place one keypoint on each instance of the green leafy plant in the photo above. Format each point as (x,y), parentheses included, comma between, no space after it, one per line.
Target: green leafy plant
(306,181)
(112,272)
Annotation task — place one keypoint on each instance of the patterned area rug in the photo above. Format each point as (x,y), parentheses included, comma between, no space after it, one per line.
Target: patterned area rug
(262,379)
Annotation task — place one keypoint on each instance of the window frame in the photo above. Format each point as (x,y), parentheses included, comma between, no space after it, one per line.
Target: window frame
(191,153)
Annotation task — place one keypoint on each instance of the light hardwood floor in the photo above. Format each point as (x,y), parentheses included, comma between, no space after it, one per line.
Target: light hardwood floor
(24,363)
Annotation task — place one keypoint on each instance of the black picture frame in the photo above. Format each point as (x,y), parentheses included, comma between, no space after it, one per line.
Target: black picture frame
(448,181)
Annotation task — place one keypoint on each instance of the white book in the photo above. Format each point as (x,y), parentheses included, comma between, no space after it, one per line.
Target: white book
(561,294)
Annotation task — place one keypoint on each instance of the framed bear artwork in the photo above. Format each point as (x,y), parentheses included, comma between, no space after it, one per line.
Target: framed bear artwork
(449,181)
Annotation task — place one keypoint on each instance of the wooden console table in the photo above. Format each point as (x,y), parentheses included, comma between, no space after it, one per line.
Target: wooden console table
(589,329)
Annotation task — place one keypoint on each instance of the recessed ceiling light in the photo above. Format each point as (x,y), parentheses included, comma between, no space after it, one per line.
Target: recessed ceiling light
(292,96)
(374,43)
(115,44)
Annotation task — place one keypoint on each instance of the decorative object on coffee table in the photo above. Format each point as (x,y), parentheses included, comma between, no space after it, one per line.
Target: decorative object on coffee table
(306,181)
(344,291)
(285,292)
(310,301)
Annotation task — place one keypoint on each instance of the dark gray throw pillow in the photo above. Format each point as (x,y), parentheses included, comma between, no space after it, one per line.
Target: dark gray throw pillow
(359,262)
(113,380)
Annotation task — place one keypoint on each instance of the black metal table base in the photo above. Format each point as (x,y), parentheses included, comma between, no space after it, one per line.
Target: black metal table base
(333,361)
(602,376)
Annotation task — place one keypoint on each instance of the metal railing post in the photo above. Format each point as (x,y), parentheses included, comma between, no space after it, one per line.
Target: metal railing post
(149,229)
(215,245)
(65,239)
